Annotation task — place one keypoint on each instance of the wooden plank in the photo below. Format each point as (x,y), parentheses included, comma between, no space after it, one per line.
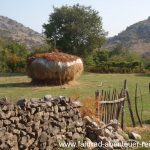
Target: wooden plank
(113,102)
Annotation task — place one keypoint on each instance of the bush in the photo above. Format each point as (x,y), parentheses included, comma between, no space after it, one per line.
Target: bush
(12,57)
(117,67)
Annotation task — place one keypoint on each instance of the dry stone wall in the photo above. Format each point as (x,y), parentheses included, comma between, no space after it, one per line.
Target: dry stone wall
(39,124)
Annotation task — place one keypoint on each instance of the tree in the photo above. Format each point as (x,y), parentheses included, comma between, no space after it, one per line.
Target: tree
(75,29)
(13,57)
(101,56)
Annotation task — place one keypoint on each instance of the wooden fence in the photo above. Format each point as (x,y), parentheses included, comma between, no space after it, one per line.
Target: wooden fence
(110,105)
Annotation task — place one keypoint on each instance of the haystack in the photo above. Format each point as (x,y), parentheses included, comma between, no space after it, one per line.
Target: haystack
(54,67)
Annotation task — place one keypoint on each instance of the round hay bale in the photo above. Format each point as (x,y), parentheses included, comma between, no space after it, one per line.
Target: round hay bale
(54,68)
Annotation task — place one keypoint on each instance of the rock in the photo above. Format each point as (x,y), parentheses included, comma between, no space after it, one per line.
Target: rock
(49,104)
(91,144)
(7,122)
(56,109)
(36,125)
(1,123)
(24,140)
(79,129)
(2,115)
(62,108)
(43,137)
(108,133)
(122,133)
(114,124)
(2,133)
(102,139)
(75,118)
(22,102)
(69,134)
(119,137)
(56,130)
(135,136)
(14,120)
(30,142)
(77,104)
(46,116)
(16,131)
(47,97)
(33,110)
(79,123)
(76,136)
(87,119)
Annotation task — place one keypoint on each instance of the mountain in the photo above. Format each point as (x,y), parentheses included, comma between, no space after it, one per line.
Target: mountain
(136,37)
(12,30)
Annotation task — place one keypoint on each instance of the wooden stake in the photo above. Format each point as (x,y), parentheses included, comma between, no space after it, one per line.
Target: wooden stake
(136,107)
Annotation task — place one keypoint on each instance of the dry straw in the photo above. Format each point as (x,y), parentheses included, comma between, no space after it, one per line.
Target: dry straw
(54,68)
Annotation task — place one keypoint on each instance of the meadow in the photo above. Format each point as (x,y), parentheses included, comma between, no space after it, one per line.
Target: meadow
(18,86)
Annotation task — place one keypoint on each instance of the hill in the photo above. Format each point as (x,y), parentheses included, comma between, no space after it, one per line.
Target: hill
(12,30)
(136,37)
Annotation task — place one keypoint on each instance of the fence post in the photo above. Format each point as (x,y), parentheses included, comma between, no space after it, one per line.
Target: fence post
(122,107)
(97,98)
(136,107)
(130,108)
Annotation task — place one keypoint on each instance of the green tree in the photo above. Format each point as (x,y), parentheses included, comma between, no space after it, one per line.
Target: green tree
(101,56)
(75,29)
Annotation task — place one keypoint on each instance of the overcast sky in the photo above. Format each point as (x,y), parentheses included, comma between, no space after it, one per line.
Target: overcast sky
(116,14)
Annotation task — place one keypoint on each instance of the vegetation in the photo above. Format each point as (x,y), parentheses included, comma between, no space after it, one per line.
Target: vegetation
(12,57)
(119,60)
(75,29)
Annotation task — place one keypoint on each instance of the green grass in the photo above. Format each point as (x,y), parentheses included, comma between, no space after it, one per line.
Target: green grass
(17,86)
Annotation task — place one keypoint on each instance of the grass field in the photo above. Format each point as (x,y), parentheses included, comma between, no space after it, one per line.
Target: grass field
(17,86)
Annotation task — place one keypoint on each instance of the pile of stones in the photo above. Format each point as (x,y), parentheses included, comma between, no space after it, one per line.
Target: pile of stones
(108,136)
(40,124)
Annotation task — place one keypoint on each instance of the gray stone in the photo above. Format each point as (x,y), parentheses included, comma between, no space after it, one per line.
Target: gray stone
(79,129)
(24,140)
(56,109)
(62,108)
(33,110)
(135,136)
(47,97)
(76,136)
(118,136)
(46,116)
(79,124)
(22,102)
(16,131)
(14,120)
(2,133)
(49,104)
(7,122)
(1,123)
(43,137)
(77,104)
(107,133)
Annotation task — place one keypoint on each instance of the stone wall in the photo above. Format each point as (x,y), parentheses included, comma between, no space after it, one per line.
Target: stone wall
(39,124)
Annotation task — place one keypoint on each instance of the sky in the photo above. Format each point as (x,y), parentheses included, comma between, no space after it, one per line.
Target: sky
(116,14)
